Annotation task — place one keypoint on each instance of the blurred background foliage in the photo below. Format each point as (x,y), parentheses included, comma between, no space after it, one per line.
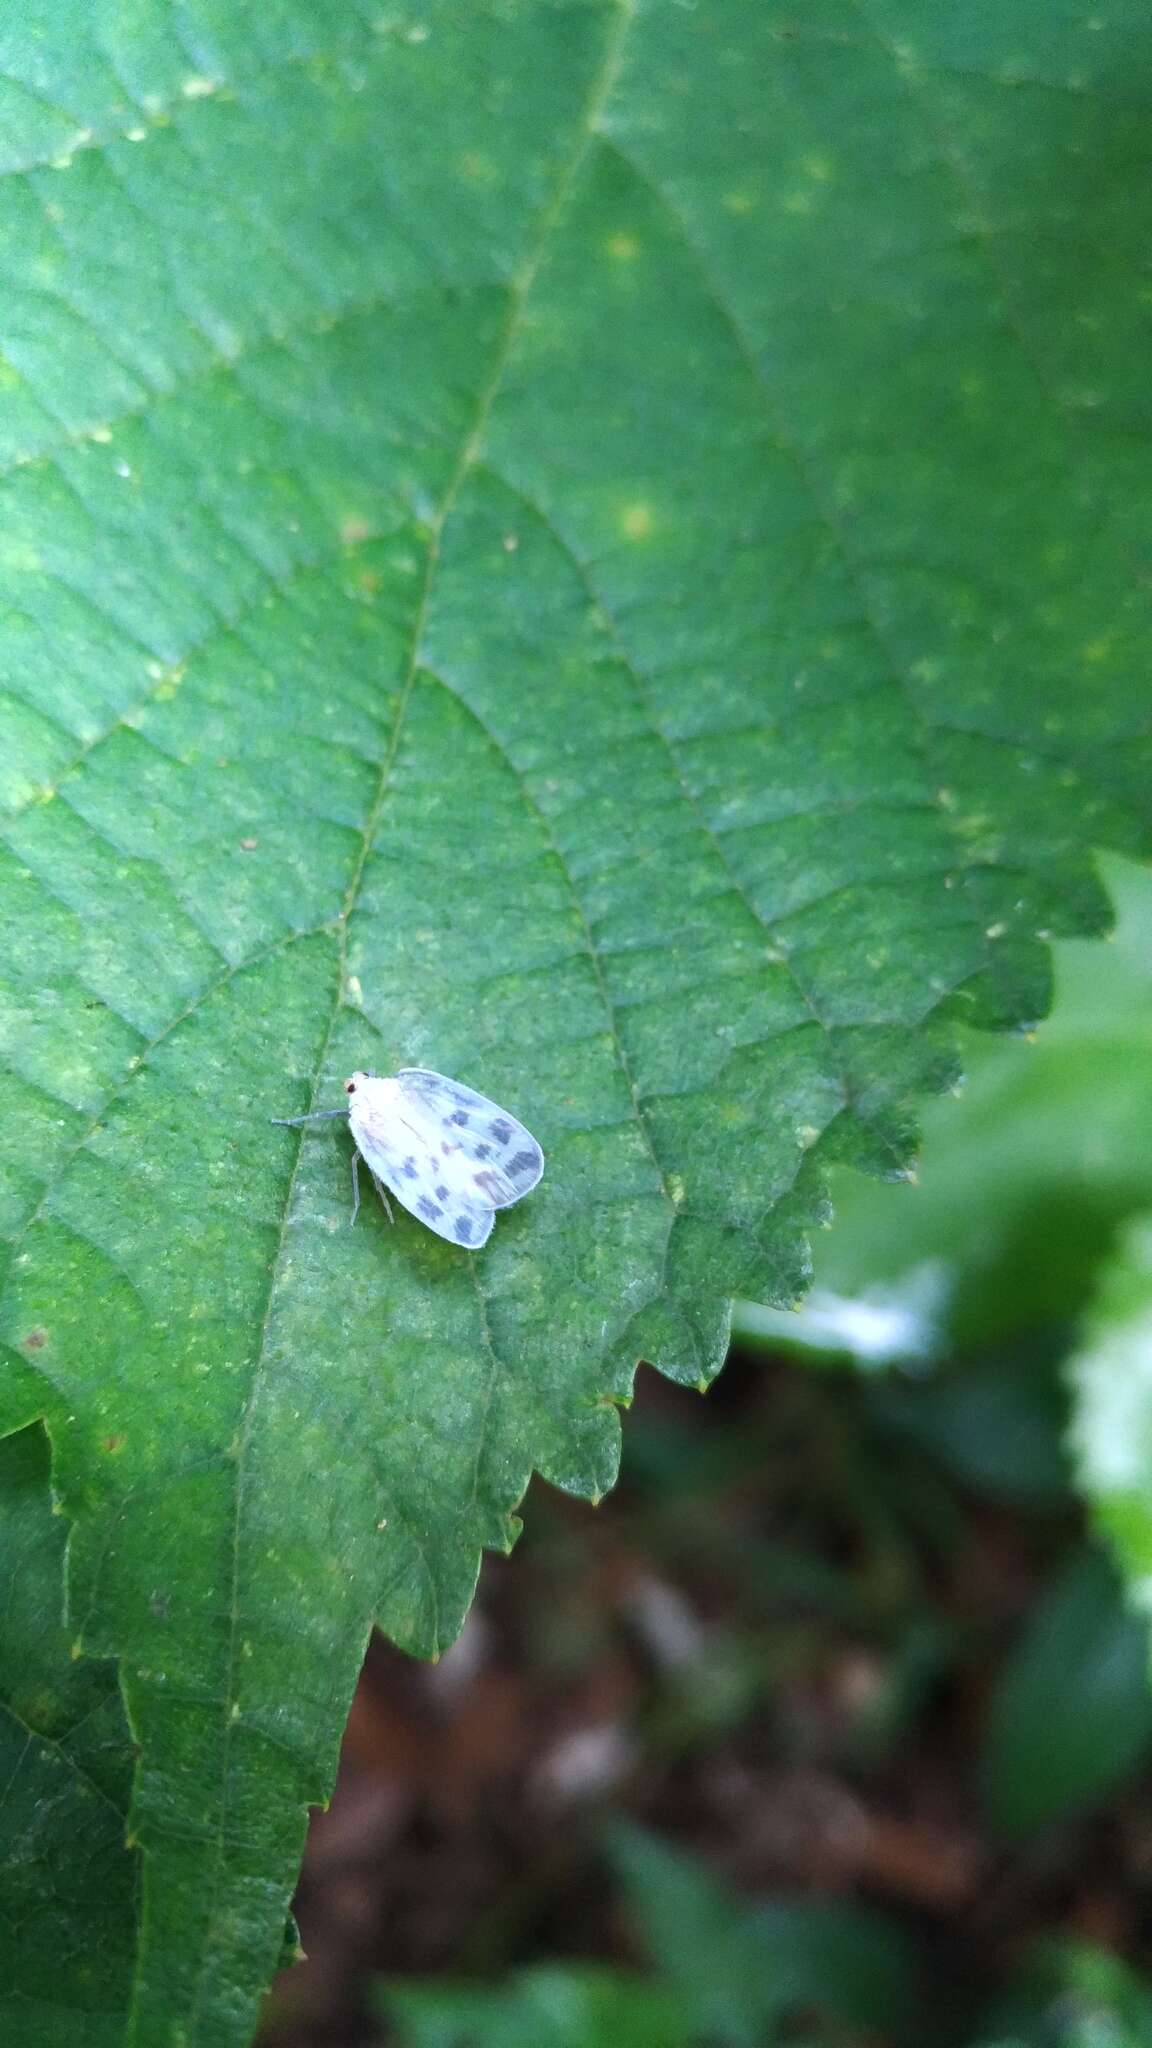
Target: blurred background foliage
(832,1726)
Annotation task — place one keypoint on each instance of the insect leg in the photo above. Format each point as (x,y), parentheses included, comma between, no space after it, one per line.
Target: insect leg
(382,1191)
(355,1187)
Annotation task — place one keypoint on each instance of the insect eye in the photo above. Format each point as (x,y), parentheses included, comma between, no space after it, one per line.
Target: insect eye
(349,1087)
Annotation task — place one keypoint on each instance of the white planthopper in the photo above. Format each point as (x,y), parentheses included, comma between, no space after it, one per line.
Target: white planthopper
(449,1155)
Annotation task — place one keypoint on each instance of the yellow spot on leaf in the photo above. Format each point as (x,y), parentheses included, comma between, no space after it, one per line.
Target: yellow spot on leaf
(18,556)
(636,520)
(1095,651)
(622,248)
(167,682)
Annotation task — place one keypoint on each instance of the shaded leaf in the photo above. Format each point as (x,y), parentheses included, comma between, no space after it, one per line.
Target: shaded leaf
(1072,1714)
(742,1971)
(1071,1995)
(542,2008)
(67,1882)
(997,1426)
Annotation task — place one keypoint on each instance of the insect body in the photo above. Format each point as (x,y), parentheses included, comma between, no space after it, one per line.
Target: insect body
(450,1156)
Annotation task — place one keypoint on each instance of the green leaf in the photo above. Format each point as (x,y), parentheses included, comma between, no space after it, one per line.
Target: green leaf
(1071,1995)
(742,1971)
(1111,1435)
(589,544)
(541,2008)
(699,1940)
(1023,1181)
(1072,1714)
(997,1426)
(67,1882)
(728,1974)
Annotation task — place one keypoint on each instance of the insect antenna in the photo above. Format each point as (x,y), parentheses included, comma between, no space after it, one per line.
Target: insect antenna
(310,1117)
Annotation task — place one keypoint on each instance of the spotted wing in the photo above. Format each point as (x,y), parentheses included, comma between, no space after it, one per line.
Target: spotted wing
(508,1159)
(439,1188)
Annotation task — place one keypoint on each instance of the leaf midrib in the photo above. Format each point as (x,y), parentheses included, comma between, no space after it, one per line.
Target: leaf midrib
(467,458)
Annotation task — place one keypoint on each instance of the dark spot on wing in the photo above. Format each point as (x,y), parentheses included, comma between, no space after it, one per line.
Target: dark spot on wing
(489,1186)
(483,1151)
(523,1162)
(410,1169)
(458,1116)
(500,1130)
(462,1225)
(442,1194)
(429,1210)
